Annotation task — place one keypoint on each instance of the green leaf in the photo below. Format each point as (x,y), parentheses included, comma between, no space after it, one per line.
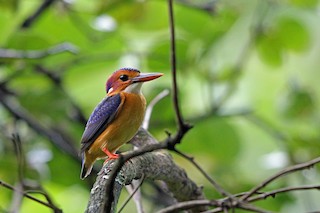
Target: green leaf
(270,49)
(293,34)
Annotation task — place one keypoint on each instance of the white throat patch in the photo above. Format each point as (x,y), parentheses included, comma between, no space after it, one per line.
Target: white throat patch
(134,88)
(110,90)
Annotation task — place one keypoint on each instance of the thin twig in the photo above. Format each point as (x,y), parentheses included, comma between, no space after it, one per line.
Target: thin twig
(17,196)
(252,208)
(43,193)
(218,203)
(206,175)
(8,186)
(283,172)
(175,94)
(273,193)
(19,153)
(189,205)
(149,109)
(131,195)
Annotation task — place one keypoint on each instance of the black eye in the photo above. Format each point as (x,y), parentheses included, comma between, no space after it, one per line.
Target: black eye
(124,77)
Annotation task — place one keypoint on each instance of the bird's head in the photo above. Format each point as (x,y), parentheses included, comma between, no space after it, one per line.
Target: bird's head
(128,80)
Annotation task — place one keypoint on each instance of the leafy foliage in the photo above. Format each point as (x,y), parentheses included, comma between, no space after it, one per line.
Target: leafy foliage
(248,80)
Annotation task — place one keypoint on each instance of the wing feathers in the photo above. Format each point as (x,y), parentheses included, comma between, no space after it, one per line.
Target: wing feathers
(100,118)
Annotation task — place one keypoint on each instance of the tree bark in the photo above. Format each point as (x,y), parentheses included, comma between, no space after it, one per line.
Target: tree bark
(157,165)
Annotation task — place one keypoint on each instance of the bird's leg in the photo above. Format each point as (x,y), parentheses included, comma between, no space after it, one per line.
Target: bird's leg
(110,155)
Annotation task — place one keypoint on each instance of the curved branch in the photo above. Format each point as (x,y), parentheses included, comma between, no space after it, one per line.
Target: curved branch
(285,171)
(156,165)
(149,109)
(273,193)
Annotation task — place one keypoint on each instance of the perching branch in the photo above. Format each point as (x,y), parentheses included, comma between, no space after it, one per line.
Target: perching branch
(169,143)
(107,188)
(134,187)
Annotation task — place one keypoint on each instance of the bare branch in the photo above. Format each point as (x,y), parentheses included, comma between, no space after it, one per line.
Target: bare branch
(294,168)
(183,127)
(189,205)
(20,155)
(273,193)
(206,175)
(219,204)
(17,196)
(149,109)
(133,192)
(37,54)
(8,186)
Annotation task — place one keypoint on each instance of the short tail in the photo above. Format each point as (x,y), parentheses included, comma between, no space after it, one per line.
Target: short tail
(86,168)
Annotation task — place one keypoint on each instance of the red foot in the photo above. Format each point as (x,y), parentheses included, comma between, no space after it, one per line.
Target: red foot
(110,155)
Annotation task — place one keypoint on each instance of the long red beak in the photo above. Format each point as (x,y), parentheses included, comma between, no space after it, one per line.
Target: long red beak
(146,77)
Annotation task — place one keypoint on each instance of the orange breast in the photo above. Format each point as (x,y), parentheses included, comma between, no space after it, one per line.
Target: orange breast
(123,127)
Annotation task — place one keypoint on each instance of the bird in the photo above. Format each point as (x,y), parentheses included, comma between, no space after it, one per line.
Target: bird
(116,119)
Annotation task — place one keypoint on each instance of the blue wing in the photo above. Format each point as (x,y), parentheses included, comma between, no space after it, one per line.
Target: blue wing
(100,118)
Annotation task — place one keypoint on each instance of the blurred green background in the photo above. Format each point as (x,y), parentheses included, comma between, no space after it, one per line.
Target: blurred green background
(248,74)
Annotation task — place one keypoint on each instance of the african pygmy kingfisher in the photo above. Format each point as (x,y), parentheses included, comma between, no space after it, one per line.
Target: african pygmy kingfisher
(116,119)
